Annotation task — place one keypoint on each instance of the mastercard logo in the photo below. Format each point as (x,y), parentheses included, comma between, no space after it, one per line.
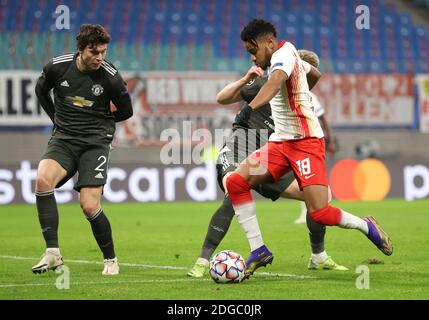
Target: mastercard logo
(367,180)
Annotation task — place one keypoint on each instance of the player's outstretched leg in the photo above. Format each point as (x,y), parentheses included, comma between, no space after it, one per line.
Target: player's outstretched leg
(332,216)
(240,193)
(218,227)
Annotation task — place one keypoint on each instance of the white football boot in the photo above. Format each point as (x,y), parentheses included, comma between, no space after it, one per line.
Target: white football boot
(111,267)
(50,260)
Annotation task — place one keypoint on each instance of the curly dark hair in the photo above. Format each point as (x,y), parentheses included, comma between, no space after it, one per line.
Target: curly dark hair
(257,28)
(92,35)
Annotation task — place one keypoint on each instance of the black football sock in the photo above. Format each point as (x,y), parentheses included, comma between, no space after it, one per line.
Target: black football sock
(218,226)
(48,217)
(103,233)
(317,236)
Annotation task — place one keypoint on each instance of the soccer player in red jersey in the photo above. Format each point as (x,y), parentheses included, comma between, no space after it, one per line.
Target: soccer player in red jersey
(297,144)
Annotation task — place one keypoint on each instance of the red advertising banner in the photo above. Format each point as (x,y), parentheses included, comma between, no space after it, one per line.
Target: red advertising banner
(163,100)
(166,100)
(367,100)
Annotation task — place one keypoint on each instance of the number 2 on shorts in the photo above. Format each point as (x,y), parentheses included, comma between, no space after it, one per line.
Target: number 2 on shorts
(99,167)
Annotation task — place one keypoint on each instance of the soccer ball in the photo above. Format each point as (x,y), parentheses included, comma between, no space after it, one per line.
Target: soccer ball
(227,267)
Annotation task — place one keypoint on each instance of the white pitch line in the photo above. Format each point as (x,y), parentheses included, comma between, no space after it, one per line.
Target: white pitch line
(264,274)
(99,262)
(287,275)
(94,282)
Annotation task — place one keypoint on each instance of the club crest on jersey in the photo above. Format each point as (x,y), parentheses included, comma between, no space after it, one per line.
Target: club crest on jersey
(97,89)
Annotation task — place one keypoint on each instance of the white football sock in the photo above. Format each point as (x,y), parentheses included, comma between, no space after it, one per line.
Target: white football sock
(319,257)
(55,251)
(246,215)
(350,221)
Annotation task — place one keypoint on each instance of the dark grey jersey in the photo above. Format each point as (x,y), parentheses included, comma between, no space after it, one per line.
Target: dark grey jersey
(260,119)
(81,108)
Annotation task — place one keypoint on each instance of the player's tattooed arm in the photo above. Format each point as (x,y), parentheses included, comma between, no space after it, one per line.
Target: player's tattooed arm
(44,85)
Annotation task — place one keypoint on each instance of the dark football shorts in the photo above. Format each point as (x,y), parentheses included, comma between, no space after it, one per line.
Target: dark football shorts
(234,152)
(90,161)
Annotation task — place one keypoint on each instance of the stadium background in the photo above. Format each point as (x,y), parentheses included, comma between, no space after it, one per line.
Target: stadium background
(177,54)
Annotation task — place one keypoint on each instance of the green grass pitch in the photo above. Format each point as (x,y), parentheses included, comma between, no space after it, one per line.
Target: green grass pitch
(156,243)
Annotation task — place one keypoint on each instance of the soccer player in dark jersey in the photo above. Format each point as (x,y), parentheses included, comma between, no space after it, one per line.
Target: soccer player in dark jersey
(248,136)
(84,85)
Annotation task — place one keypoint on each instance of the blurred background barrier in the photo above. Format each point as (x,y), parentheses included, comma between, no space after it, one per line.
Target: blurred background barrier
(164,100)
(351,180)
(176,55)
(423,101)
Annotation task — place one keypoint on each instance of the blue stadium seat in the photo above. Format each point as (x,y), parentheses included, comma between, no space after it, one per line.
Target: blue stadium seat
(180,30)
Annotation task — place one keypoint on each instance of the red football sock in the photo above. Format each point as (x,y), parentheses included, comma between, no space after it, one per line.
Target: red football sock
(238,189)
(329,216)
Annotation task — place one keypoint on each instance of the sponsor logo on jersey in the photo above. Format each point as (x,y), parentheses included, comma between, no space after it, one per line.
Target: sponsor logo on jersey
(80,101)
(64,84)
(97,90)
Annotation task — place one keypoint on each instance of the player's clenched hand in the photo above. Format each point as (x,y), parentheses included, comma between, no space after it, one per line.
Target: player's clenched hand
(253,73)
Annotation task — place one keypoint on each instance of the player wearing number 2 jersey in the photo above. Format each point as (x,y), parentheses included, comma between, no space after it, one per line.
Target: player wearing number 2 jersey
(83,86)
